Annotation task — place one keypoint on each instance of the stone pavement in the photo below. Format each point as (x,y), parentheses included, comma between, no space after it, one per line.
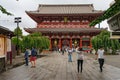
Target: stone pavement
(113,60)
(56,67)
(17,61)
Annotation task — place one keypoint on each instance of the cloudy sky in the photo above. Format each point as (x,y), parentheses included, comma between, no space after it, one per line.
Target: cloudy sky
(18,8)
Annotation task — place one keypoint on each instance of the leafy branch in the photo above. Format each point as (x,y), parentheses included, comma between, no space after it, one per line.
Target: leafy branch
(4,11)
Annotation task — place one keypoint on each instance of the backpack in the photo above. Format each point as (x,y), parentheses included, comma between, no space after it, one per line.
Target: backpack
(33,52)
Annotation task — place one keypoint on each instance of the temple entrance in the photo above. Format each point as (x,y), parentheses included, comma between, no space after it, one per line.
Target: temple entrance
(75,43)
(55,44)
(65,43)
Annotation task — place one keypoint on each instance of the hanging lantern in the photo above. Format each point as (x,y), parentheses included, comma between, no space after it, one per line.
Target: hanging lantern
(65,19)
(55,42)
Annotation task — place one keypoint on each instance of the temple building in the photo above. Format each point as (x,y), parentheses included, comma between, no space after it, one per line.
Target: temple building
(66,25)
(5,47)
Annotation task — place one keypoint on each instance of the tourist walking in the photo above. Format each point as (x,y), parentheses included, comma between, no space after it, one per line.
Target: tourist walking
(100,56)
(59,50)
(70,55)
(26,56)
(80,58)
(33,58)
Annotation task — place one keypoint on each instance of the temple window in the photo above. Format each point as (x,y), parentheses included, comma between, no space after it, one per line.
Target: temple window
(68,21)
(57,21)
(83,21)
(53,21)
(47,21)
(73,21)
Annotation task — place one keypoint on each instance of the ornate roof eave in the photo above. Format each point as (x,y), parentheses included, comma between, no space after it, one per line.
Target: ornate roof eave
(32,16)
(36,13)
(63,30)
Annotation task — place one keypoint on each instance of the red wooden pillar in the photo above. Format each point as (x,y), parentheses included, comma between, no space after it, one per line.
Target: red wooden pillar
(90,42)
(60,46)
(80,42)
(50,48)
(70,42)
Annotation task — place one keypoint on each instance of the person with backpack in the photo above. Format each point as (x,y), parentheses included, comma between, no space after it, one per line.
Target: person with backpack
(33,58)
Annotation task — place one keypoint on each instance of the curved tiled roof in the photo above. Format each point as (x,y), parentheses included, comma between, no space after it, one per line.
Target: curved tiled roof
(61,10)
(65,9)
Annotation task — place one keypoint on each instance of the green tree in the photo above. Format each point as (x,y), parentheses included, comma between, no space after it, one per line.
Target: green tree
(103,39)
(36,40)
(18,31)
(17,41)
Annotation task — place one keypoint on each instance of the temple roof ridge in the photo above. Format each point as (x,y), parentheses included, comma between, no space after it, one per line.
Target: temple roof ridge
(65,5)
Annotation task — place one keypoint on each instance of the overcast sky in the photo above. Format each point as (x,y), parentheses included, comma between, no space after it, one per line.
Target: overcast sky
(19,7)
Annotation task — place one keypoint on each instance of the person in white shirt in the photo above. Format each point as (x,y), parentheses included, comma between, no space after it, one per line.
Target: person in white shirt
(100,55)
(80,58)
